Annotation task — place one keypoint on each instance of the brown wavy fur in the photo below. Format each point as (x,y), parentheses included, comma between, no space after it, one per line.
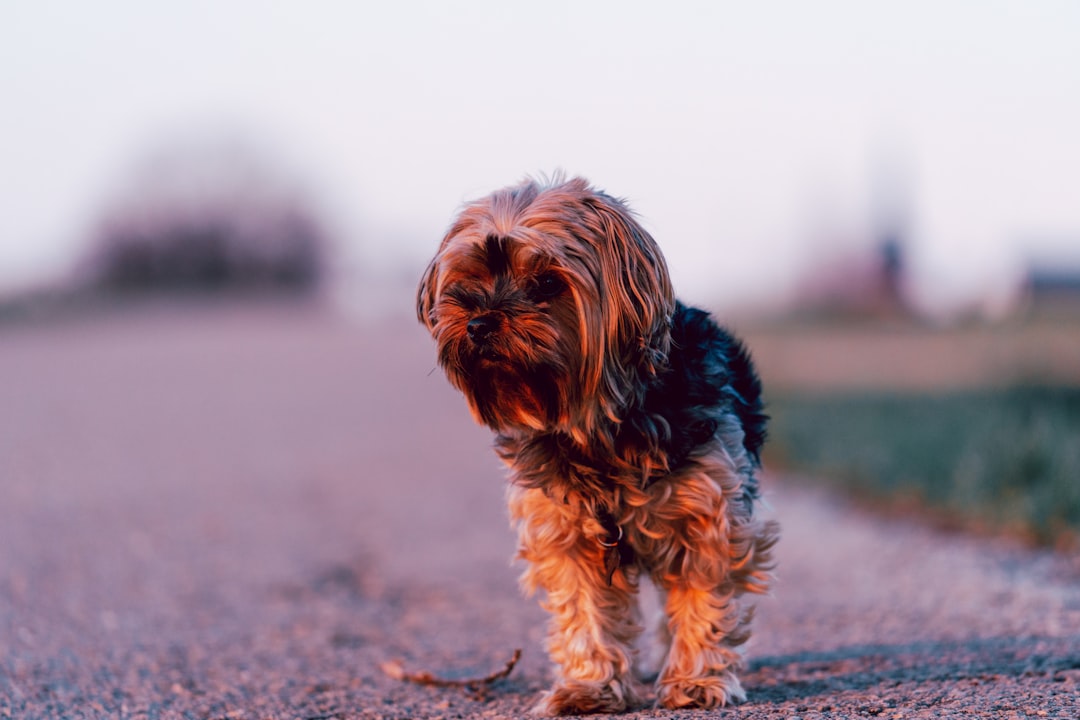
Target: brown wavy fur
(577,310)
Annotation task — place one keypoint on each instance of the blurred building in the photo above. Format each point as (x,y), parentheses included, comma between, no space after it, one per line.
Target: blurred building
(1052,291)
(866,284)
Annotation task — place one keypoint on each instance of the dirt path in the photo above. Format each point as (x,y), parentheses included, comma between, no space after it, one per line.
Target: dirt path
(242,514)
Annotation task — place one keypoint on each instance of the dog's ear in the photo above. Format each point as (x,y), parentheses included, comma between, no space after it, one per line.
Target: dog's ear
(425,294)
(638,297)
(626,340)
(428,290)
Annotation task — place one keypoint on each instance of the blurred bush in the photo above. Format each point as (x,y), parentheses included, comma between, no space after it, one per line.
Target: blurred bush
(996,459)
(213,217)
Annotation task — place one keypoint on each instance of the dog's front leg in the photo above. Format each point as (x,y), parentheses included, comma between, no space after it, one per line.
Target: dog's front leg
(705,629)
(594,621)
(704,561)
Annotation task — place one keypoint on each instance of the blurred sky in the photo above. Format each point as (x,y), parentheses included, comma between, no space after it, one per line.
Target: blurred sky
(754,139)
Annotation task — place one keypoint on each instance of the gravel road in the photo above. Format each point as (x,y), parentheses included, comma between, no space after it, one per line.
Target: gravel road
(241,513)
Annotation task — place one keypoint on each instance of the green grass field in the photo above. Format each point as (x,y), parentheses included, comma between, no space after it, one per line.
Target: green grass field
(998,459)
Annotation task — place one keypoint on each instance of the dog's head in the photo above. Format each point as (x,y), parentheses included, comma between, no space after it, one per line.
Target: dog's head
(550,306)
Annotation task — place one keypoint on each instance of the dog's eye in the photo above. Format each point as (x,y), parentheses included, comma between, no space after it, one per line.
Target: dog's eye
(546,287)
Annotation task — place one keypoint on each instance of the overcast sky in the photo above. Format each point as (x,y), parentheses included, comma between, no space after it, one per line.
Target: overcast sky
(744,134)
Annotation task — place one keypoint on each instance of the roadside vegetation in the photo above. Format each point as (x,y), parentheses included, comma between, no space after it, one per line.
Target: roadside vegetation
(997,459)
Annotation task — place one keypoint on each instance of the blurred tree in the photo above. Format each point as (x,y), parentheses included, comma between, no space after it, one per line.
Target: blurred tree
(214,216)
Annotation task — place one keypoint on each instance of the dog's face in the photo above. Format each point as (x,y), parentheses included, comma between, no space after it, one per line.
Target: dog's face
(550,305)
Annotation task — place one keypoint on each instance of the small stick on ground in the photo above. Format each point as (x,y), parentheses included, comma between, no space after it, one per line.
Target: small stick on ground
(478,686)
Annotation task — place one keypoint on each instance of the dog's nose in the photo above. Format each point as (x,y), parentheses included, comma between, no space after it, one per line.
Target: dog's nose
(481,327)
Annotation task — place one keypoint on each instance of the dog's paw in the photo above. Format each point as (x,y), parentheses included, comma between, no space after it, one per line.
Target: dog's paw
(584,698)
(707,692)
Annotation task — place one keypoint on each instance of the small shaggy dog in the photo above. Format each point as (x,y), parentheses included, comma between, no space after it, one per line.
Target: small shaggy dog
(631,425)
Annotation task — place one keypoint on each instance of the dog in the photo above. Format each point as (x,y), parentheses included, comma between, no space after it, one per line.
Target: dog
(631,425)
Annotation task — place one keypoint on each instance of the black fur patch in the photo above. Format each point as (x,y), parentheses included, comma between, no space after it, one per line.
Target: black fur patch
(710,374)
(498,258)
